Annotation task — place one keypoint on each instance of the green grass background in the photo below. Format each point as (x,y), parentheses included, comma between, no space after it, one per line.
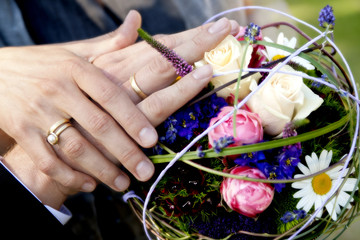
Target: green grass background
(347,25)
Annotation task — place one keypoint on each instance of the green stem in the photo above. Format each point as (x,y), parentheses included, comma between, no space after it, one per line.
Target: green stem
(229,175)
(210,153)
(238,86)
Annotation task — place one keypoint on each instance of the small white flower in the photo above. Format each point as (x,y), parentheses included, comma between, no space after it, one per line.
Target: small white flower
(272,53)
(315,190)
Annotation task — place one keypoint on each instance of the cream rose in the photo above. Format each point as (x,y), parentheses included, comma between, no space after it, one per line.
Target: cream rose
(282,99)
(226,57)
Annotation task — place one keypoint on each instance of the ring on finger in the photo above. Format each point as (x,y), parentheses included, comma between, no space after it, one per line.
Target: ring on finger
(136,88)
(56,129)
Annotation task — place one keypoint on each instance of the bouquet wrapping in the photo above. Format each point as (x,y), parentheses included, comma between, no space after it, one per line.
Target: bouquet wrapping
(269,150)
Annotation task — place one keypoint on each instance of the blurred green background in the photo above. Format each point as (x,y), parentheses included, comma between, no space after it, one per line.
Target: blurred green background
(347,25)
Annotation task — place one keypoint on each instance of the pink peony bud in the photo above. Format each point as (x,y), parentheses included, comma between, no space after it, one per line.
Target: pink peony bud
(248,127)
(247,197)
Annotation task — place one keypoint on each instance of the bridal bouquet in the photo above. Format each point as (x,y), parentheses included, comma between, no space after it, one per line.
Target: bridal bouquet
(269,150)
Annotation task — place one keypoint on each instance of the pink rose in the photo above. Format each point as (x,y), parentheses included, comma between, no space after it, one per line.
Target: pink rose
(247,197)
(248,127)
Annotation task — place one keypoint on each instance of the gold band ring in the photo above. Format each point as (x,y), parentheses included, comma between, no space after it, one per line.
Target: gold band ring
(136,88)
(56,129)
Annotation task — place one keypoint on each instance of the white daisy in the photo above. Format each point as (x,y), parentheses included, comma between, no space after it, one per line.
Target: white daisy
(272,53)
(314,191)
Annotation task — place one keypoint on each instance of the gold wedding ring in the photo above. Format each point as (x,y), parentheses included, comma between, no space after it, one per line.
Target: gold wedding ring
(56,129)
(136,88)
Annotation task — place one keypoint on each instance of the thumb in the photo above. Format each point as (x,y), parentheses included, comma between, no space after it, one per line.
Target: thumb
(122,37)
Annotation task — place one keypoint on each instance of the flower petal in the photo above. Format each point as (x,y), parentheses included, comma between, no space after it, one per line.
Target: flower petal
(311,103)
(307,202)
(336,172)
(325,159)
(329,208)
(303,192)
(301,184)
(312,163)
(349,185)
(343,198)
(304,169)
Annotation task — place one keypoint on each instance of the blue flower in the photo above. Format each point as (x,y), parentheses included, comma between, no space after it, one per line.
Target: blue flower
(288,217)
(273,172)
(291,216)
(222,143)
(251,32)
(187,121)
(249,159)
(300,213)
(209,108)
(326,17)
(289,159)
(170,131)
(200,152)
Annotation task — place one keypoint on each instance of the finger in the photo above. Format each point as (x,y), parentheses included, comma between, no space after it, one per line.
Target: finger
(119,65)
(125,35)
(161,72)
(128,153)
(115,101)
(77,152)
(162,104)
(144,50)
(46,161)
(171,41)
(104,128)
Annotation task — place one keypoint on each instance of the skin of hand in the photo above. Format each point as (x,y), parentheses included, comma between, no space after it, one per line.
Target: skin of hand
(156,108)
(42,84)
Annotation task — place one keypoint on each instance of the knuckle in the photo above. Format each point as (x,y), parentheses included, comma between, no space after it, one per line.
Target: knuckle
(51,88)
(198,41)
(155,107)
(69,181)
(46,165)
(128,157)
(74,66)
(18,130)
(103,174)
(107,95)
(74,148)
(168,40)
(100,123)
(159,66)
(181,89)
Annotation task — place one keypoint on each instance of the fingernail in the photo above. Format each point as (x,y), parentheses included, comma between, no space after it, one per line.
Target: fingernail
(148,137)
(145,170)
(88,187)
(204,73)
(234,28)
(218,26)
(121,182)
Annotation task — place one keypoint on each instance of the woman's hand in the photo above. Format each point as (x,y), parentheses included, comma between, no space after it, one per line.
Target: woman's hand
(41,85)
(156,108)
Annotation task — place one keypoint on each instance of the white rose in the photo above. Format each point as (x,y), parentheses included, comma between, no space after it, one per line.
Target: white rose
(282,99)
(226,57)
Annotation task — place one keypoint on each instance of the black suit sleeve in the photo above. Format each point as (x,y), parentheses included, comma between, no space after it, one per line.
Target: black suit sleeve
(22,216)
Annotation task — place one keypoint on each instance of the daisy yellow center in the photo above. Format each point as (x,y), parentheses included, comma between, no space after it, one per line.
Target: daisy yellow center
(321,184)
(277,57)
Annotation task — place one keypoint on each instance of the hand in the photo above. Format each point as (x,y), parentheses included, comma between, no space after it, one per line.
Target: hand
(56,97)
(43,84)
(50,192)
(154,73)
